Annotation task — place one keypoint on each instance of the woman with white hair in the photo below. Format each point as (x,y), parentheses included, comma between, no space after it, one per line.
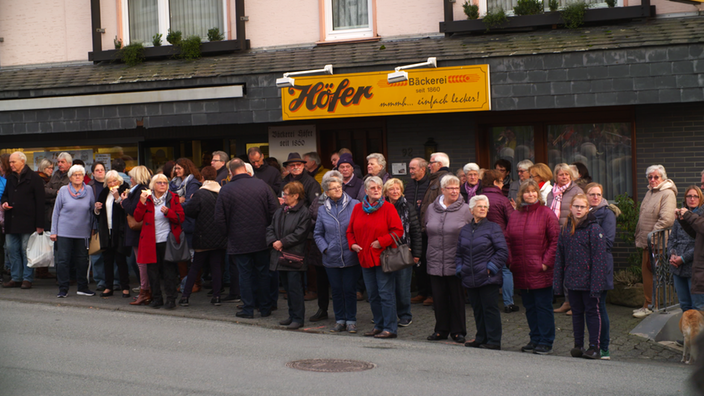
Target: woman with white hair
(376,166)
(481,254)
(473,185)
(111,231)
(368,234)
(443,221)
(657,212)
(71,226)
(523,170)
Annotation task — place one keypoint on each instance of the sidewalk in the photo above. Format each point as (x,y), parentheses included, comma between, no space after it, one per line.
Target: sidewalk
(515,328)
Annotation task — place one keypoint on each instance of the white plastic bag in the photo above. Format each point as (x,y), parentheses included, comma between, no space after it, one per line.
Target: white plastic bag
(40,251)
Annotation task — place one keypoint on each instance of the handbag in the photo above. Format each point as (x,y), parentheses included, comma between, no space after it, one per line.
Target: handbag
(134,224)
(94,247)
(396,258)
(177,252)
(291,260)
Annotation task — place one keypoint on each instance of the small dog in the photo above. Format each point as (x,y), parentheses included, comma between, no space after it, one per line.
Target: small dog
(691,324)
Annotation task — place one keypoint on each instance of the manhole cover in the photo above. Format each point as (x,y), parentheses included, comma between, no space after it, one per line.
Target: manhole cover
(330,365)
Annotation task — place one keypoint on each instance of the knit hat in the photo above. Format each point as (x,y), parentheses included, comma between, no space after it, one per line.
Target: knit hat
(345,158)
(294,157)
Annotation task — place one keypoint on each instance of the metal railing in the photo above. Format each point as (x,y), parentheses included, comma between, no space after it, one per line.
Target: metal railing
(664,296)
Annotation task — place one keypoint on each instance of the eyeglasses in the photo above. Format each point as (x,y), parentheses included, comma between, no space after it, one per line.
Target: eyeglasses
(295,165)
(481,206)
(78,174)
(520,171)
(215,160)
(452,188)
(579,207)
(177,168)
(433,162)
(161,182)
(335,188)
(653,177)
(692,196)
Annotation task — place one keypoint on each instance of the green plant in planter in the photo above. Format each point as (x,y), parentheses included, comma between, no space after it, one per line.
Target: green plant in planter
(132,54)
(611,3)
(528,7)
(174,38)
(573,14)
(215,35)
(626,224)
(117,42)
(554,5)
(494,18)
(471,10)
(156,40)
(190,48)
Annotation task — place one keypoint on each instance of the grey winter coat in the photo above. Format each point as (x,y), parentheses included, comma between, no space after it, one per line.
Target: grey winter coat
(443,227)
(331,232)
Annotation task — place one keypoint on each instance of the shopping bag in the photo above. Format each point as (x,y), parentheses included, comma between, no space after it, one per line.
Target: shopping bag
(94,246)
(40,251)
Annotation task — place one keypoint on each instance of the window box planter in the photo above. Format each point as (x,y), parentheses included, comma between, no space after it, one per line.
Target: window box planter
(169,51)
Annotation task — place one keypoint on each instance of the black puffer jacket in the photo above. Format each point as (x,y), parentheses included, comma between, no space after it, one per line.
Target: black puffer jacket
(201,208)
(291,228)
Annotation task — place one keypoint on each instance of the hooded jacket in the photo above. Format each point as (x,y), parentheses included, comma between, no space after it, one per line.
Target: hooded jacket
(657,211)
(481,247)
(606,215)
(581,262)
(331,229)
(443,227)
(531,236)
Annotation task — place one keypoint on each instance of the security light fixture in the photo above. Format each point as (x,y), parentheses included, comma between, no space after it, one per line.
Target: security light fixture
(286,81)
(400,76)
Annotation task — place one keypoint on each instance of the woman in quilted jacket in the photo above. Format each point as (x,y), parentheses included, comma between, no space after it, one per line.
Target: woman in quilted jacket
(581,267)
(531,234)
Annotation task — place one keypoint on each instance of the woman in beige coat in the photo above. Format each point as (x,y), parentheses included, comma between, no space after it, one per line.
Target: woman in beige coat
(657,212)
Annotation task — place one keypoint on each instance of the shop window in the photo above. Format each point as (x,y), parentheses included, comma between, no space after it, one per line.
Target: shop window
(604,148)
(348,19)
(145,18)
(512,143)
(87,154)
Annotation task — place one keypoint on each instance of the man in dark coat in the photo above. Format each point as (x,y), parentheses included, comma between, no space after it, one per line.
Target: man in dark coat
(415,193)
(218,162)
(297,172)
(351,184)
(263,171)
(23,202)
(244,209)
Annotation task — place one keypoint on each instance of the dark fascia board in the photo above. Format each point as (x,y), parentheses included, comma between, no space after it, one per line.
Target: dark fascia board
(167,51)
(597,15)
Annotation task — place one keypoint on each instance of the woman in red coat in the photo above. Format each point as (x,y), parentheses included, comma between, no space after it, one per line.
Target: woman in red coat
(368,234)
(531,234)
(162,214)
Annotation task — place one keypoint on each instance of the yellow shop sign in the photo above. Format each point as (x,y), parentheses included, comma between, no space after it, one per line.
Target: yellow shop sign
(441,90)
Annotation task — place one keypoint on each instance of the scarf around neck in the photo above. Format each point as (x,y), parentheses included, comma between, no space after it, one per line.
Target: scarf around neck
(371,208)
(179,185)
(471,191)
(77,194)
(557,198)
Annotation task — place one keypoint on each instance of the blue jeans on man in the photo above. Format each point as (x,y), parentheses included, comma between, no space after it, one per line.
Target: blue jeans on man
(687,299)
(381,287)
(540,316)
(254,268)
(507,288)
(16,245)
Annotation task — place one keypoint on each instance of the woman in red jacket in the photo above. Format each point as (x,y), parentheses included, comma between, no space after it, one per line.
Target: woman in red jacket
(531,234)
(162,213)
(368,234)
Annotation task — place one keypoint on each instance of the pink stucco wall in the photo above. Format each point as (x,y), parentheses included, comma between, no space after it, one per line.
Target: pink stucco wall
(287,22)
(44,31)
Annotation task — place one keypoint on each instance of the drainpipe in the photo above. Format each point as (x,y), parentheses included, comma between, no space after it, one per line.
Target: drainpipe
(95,25)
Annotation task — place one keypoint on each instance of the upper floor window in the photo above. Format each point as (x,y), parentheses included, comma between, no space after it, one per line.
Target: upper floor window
(348,19)
(146,18)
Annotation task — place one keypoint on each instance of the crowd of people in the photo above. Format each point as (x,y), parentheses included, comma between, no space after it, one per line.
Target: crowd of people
(256,227)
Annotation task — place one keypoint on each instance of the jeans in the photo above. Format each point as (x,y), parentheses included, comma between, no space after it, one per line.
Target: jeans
(293,284)
(381,288)
(254,268)
(585,307)
(200,259)
(541,319)
(96,261)
(71,251)
(343,283)
(402,279)
(507,288)
(487,316)
(132,264)
(605,336)
(163,270)
(687,299)
(235,278)
(17,249)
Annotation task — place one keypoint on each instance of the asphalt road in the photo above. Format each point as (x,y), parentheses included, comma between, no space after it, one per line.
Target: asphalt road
(57,350)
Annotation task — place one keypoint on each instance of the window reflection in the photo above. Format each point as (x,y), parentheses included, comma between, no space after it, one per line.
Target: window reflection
(514,143)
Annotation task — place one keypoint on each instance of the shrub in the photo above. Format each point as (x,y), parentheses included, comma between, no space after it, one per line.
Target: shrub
(117,42)
(626,224)
(573,14)
(190,48)
(215,35)
(132,54)
(554,5)
(471,10)
(528,7)
(494,18)
(628,277)
(156,39)
(174,38)
(611,3)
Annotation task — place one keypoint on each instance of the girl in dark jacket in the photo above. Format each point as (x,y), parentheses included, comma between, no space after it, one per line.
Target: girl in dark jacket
(481,254)
(393,191)
(288,232)
(580,265)
(111,232)
(208,243)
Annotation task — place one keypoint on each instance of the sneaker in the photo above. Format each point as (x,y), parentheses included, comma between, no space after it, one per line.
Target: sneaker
(543,350)
(577,352)
(605,355)
(405,322)
(338,328)
(352,328)
(641,313)
(528,348)
(592,353)
(231,299)
(86,292)
(62,294)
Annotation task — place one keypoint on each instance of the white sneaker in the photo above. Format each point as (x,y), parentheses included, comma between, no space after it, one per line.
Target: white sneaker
(641,313)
